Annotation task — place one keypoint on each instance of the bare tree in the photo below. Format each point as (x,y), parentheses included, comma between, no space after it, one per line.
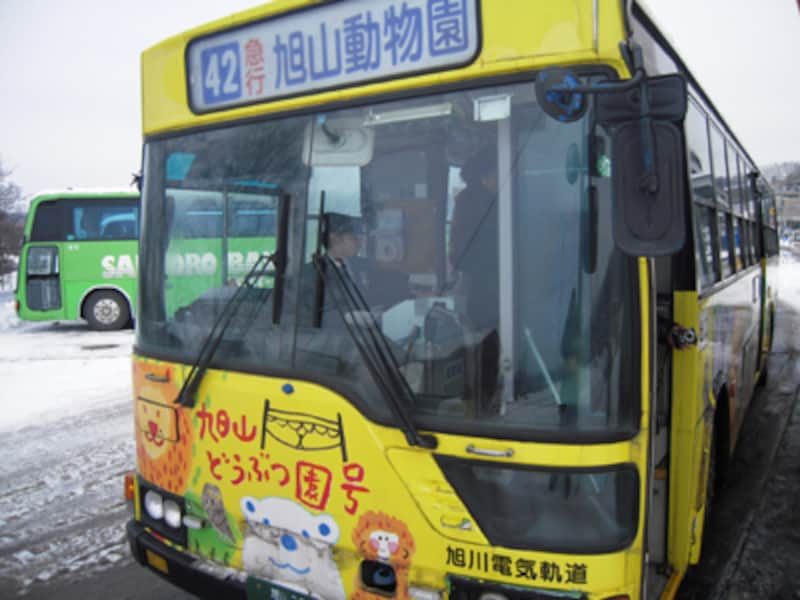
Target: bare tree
(11,226)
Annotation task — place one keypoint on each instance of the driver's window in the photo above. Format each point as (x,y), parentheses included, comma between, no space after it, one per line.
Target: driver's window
(455,184)
(341,188)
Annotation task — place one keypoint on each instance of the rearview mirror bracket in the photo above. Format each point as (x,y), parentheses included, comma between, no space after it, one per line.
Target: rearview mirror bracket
(642,115)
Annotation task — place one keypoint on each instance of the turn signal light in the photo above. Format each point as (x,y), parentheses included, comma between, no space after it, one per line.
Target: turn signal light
(129,491)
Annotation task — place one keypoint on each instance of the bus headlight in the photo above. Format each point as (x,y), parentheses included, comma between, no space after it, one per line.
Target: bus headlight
(154,505)
(423,593)
(163,513)
(492,596)
(172,514)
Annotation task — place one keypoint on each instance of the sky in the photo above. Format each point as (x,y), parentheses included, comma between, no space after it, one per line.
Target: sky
(70,93)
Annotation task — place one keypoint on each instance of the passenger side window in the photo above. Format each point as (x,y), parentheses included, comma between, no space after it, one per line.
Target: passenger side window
(739,259)
(725,256)
(726,229)
(707,267)
(734,184)
(103,219)
(699,162)
(197,215)
(719,166)
(252,216)
(48,225)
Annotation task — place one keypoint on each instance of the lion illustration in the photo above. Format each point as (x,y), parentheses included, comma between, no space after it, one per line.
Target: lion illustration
(381,538)
(163,433)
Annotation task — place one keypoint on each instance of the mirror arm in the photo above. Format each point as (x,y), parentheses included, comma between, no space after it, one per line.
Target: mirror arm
(649,179)
(333,137)
(603,88)
(628,56)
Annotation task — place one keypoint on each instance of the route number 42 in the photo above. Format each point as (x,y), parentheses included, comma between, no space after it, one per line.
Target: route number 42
(220,68)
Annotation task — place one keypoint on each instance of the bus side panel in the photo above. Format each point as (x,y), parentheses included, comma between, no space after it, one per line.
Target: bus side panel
(88,266)
(692,421)
(725,356)
(736,345)
(194,265)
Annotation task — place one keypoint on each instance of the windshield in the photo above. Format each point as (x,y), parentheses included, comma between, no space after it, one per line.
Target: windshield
(475,230)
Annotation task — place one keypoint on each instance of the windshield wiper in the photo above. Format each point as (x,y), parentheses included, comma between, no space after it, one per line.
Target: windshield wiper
(186,396)
(373,347)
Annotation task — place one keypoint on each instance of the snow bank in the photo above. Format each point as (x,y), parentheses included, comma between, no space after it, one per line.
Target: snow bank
(52,370)
(8,316)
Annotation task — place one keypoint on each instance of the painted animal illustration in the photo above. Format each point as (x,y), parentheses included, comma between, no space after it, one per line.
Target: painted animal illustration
(215,510)
(383,539)
(163,433)
(286,544)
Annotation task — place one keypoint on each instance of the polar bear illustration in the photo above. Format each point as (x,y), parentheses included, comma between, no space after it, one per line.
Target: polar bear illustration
(286,544)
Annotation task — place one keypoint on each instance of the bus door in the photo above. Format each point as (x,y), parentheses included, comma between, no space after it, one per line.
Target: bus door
(42,261)
(42,278)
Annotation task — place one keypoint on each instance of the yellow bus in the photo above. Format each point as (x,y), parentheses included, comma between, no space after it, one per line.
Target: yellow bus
(444,376)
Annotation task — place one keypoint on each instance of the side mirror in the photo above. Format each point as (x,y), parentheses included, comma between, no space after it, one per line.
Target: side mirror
(648,206)
(666,100)
(648,158)
(648,168)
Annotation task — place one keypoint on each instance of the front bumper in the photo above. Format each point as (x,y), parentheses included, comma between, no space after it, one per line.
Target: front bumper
(178,568)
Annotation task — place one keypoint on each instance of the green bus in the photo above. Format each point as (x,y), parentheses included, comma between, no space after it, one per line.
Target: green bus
(79,257)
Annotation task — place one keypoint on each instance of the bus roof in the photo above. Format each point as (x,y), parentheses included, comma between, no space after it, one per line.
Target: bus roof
(567,33)
(84,193)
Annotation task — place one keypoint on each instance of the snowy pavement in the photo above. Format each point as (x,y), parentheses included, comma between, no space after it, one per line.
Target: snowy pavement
(66,438)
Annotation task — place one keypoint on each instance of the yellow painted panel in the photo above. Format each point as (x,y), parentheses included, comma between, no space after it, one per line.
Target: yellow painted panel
(692,422)
(516,35)
(259,453)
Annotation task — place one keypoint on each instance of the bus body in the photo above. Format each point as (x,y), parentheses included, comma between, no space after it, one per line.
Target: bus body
(485,409)
(78,258)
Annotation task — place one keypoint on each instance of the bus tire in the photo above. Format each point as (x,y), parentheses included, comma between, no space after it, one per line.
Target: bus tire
(107,311)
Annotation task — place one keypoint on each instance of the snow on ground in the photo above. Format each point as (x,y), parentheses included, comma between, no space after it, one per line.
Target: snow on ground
(66,439)
(789,281)
(51,370)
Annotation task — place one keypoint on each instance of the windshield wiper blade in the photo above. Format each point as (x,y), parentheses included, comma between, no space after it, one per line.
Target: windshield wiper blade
(374,349)
(280,255)
(186,396)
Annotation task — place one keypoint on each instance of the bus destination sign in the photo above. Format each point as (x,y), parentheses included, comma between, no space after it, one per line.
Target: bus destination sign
(332,45)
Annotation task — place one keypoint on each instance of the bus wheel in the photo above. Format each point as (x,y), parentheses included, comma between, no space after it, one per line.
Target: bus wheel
(107,311)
